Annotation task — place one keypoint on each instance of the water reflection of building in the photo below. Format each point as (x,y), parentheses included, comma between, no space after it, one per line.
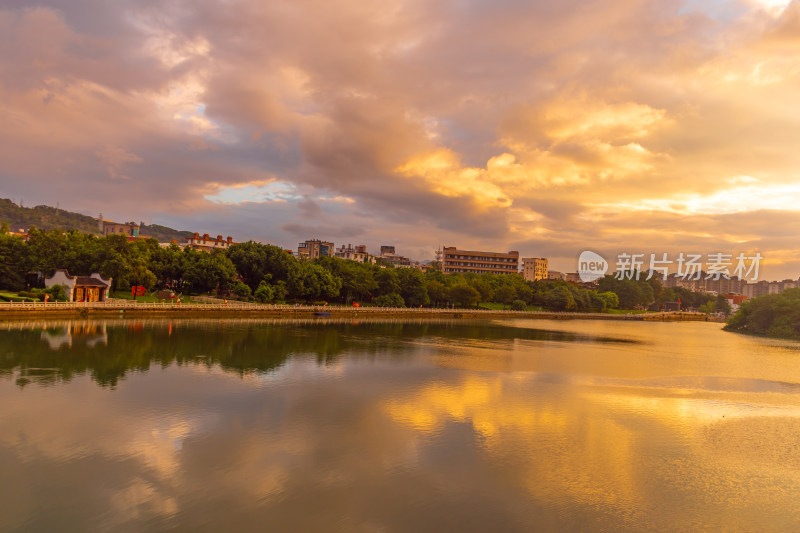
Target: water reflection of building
(89,334)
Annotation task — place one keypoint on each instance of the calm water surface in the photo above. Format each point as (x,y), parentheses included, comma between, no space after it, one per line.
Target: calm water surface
(514,425)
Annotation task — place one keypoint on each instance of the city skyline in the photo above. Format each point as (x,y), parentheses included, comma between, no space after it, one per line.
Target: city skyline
(616,126)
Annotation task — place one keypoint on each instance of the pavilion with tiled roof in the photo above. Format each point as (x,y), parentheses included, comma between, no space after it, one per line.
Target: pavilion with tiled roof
(92,288)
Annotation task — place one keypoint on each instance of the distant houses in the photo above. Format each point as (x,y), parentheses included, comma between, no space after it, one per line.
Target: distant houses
(314,248)
(206,243)
(129,229)
(357,253)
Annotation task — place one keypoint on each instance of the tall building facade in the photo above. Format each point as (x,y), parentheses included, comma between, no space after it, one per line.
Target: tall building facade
(459,261)
(314,248)
(534,268)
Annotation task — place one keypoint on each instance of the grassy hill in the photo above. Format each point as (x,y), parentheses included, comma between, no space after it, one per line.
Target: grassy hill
(46,218)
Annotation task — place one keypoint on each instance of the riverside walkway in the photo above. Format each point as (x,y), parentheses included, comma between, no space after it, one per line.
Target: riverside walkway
(232,309)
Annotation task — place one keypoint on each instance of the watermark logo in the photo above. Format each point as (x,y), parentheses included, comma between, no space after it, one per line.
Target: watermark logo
(591,266)
(688,267)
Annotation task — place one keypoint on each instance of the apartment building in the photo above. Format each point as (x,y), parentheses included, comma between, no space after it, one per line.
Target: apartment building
(313,248)
(130,230)
(534,268)
(702,282)
(355,253)
(460,261)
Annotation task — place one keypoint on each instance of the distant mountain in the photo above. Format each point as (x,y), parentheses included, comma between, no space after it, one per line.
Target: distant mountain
(46,218)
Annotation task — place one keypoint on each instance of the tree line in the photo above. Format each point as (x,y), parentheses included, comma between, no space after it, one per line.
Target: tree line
(269,274)
(773,315)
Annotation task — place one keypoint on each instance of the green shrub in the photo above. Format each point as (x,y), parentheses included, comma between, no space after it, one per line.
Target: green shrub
(241,289)
(10,298)
(390,300)
(33,295)
(58,293)
(265,292)
(518,305)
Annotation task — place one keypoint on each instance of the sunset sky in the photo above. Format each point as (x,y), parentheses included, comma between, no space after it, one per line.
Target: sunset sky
(548,127)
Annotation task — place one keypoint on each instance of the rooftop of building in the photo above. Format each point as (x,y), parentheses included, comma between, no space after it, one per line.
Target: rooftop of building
(476,252)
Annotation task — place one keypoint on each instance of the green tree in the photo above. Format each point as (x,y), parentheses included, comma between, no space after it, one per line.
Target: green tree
(168,265)
(484,284)
(505,295)
(281,291)
(265,292)
(309,281)
(255,261)
(387,280)
(114,256)
(137,273)
(205,271)
(357,279)
(611,299)
(721,305)
(412,287)
(57,292)
(463,295)
(631,293)
(518,305)
(560,299)
(47,250)
(241,289)
(708,307)
(390,300)
(15,262)
(437,292)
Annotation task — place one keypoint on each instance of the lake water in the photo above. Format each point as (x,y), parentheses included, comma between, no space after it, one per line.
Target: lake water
(512,425)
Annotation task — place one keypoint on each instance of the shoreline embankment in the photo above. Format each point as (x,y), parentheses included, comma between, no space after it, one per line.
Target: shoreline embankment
(129,309)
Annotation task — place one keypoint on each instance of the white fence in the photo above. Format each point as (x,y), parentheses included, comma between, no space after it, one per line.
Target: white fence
(128,304)
(122,305)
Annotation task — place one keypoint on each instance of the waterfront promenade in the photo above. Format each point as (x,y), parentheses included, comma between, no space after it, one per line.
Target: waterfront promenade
(231,309)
